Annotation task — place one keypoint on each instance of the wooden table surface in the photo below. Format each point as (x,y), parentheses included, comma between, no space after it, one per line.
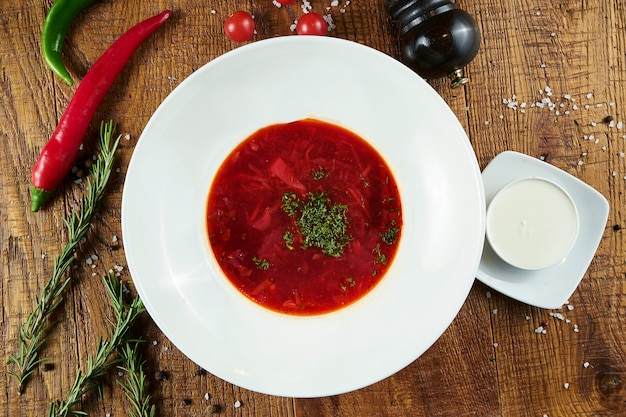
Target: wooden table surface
(489,362)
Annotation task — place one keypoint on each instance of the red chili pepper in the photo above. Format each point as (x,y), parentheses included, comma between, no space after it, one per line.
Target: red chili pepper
(57,157)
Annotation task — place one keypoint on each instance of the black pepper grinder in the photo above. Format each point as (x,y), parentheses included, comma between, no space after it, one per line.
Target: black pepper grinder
(437,38)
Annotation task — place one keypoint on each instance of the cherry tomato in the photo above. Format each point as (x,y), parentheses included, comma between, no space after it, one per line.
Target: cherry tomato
(285,1)
(239,27)
(311,24)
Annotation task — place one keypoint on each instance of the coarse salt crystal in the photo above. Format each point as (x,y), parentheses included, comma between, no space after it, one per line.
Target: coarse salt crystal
(207,396)
(494,311)
(566,385)
(540,329)
(589,95)
(620,125)
(586,365)
(237,404)
(127,136)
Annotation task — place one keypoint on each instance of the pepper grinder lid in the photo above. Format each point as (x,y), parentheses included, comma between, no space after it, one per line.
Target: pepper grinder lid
(437,38)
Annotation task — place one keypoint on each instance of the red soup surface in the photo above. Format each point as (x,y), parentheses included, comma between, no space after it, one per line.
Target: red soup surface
(304,218)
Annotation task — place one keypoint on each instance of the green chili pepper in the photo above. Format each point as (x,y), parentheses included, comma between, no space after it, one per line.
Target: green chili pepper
(59,18)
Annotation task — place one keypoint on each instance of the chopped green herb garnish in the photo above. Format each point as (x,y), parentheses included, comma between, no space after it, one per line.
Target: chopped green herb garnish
(322,225)
(288,238)
(262,264)
(348,282)
(291,204)
(320,174)
(390,236)
(379,257)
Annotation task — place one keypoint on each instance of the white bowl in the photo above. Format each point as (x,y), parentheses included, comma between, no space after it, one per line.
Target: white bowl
(281,80)
(532,223)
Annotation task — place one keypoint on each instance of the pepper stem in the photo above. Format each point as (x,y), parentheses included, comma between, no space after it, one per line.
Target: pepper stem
(38,197)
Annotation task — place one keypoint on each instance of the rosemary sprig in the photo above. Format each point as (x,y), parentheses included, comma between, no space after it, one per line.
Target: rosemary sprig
(135,383)
(99,364)
(35,327)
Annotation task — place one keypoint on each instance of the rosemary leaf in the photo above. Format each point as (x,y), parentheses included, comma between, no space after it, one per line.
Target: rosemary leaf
(135,383)
(99,364)
(35,326)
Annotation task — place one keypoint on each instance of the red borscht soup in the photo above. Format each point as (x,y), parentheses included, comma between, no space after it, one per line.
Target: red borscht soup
(304,218)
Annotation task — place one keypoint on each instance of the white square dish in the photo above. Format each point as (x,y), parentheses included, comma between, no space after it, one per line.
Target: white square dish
(549,287)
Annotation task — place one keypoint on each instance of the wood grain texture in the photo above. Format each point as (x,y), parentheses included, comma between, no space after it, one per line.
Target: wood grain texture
(545,79)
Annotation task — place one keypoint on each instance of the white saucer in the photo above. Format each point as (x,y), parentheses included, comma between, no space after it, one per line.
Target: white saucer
(550,287)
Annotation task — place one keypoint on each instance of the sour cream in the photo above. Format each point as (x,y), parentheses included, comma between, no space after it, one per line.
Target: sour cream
(532,223)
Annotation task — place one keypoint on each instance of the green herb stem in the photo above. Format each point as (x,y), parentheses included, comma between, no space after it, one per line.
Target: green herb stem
(36,326)
(99,364)
(135,382)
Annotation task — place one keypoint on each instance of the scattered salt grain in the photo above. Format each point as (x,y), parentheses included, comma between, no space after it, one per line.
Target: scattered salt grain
(495,345)
(540,330)
(581,163)
(43,255)
(207,396)
(593,124)
(620,125)
(277,4)
(558,316)
(127,136)
(154,342)
(237,404)
(589,95)
(328,18)
(576,330)
(586,365)
(494,311)
(488,294)
(599,105)
(566,385)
